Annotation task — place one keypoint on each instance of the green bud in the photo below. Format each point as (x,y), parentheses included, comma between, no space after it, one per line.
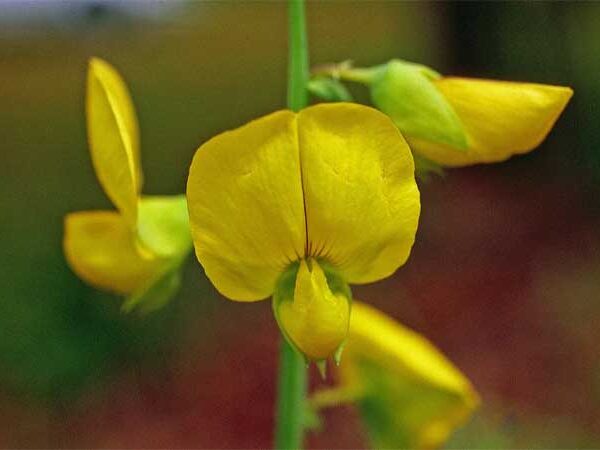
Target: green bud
(407,93)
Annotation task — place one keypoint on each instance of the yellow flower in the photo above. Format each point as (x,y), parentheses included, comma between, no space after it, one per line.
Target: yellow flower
(500,119)
(408,393)
(461,121)
(135,250)
(297,205)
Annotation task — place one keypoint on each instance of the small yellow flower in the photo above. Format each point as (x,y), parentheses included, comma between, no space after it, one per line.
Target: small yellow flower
(137,248)
(456,121)
(297,205)
(500,119)
(409,394)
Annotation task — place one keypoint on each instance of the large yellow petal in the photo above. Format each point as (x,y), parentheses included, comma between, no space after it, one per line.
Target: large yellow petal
(101,249)
(412,396)
(501,119)
(113,137)
(362,202)
(245,203)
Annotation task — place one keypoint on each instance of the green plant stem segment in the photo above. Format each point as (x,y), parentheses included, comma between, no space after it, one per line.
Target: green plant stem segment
(298,70)
(289,426)
(291,399)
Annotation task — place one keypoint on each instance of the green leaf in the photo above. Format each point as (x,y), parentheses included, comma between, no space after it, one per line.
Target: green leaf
(329,89)
(163,225)
(406,93)
(156,294)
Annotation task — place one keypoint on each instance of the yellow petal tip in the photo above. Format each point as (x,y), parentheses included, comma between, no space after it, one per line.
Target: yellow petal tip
(113,137)
(501,119)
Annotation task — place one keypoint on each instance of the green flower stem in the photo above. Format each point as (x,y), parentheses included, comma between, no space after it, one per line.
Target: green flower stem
(289,427)
(291,399)
(298,70)
(359,75)
(346,71)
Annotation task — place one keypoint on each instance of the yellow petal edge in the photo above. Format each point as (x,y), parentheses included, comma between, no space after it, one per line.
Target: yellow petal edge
(101,249)
(245,205)
(113,137)
(501,119)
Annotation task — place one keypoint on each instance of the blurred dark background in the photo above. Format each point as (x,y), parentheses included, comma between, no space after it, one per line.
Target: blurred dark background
(504,276)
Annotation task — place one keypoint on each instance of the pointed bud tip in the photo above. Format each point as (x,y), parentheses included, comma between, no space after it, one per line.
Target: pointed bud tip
(322,366)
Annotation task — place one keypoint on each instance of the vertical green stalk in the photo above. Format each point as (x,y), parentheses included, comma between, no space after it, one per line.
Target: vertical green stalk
(289,426)
(298,71)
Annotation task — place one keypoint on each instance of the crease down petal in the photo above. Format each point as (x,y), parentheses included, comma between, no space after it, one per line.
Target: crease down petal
(362,201)
(246,207)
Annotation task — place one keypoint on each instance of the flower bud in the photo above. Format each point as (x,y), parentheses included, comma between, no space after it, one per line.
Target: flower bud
(407,93)
(312,308)
(407,392)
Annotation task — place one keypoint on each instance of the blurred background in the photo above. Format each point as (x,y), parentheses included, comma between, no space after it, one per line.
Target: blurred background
(504,276)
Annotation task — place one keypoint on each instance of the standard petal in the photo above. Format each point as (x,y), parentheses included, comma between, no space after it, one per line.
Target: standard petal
(501,119)
(245,203)
(413,397)
(362,202)
(113,137)
(101,249)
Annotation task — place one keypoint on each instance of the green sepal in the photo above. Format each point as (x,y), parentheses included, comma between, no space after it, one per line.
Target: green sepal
(284,292)
(322,367)
(329,89)
(163,225)
(336,283)
(163,231)
(406,92)
(155,294)
(425,168)
(337,357)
